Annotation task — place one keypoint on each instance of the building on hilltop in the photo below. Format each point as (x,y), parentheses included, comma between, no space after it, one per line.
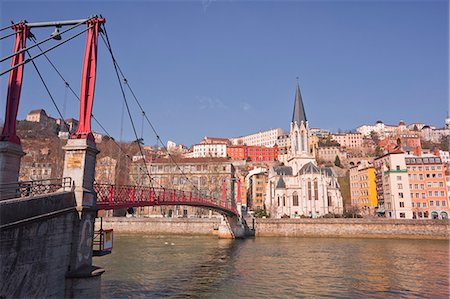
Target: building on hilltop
(349,140)
(263,138)
(253,153)
(301,188)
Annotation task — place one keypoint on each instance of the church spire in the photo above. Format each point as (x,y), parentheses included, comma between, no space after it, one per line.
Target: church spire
(299,111)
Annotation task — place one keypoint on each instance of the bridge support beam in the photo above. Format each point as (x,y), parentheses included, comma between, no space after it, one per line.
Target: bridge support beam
(83,279)
(231,228)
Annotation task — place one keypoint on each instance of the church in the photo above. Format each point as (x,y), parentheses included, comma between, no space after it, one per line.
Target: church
(301,187)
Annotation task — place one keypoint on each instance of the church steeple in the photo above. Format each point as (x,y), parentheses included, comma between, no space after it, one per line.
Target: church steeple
(299,111)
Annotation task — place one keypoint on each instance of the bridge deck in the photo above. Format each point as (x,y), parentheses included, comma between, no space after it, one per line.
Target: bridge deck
(110,197)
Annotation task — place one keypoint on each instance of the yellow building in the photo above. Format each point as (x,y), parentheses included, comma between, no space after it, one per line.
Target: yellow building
(363,187)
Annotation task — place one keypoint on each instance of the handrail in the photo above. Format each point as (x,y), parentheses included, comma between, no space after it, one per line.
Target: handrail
(34,187)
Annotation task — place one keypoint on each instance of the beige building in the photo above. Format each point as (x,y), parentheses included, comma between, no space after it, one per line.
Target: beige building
(209,150)
(264,138)
(349,140)
(256,191)
(329,154)
(105,170)
(204,175)
(393,190)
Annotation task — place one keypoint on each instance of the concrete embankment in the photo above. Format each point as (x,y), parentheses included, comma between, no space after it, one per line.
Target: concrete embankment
(172,226)
(345,228)
(354,228)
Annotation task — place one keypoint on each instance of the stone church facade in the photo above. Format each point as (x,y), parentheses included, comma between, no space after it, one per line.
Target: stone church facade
(301,187)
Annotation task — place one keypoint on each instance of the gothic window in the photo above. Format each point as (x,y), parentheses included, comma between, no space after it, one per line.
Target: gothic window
(295,199)
(309,190)
(296,141)
(316,190)
(278,200)
(301,141)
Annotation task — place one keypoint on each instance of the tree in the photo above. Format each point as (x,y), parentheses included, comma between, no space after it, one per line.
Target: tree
(337,161)
(444,143)
(375,137)
(378,151)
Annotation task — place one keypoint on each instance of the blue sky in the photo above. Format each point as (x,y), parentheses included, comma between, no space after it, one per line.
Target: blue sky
(228,68)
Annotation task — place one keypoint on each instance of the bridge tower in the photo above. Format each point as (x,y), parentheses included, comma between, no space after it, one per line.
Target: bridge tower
(82,279)
(10,147)
(79,164)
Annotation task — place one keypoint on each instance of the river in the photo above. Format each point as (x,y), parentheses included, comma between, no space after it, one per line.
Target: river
(143,266)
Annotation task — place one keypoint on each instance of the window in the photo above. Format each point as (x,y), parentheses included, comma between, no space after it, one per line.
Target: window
(397,167)
(402,215)
(418,204)
(295,199)
(400,186)
(423,195)
(399,178)
(443,203)
(430,193)
(400,194)
(412,204)
(441,184)
(422,186)
(402,204)
(416,186)
(424,204)
(420,176)
(442,193)
(438,203)
(436,193)
(431,203)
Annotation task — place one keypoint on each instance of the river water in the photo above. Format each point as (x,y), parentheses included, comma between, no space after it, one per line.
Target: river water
(143,266)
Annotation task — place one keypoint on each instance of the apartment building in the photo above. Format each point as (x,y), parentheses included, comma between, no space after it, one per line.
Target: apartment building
(393,191)
(427,182)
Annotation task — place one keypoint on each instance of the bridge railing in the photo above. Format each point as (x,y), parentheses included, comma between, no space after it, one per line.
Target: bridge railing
(35,187)
(123,196)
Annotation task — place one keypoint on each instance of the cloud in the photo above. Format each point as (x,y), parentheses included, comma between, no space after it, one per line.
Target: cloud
(245,106)
(206,4)
(210,103)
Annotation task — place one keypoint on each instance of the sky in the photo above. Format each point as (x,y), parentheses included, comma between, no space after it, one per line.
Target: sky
(229,68)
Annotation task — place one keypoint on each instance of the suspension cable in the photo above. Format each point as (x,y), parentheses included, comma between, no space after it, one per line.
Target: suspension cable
(43,41)
(108,45)
(47,89)
(42,53)
(11,34)
(128,111)
(9,26)
(78,98)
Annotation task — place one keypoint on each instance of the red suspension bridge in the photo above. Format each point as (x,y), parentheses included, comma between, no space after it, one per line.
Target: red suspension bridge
(108,197)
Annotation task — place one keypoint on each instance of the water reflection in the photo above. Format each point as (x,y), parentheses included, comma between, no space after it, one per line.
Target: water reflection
(205,267)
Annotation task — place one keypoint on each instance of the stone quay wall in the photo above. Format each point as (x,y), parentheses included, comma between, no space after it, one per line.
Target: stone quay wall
(345,228)
(35,245)
(170,226)
(354,228)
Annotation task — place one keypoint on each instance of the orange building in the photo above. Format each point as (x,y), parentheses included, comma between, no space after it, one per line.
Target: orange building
(254,153)
(428,187)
